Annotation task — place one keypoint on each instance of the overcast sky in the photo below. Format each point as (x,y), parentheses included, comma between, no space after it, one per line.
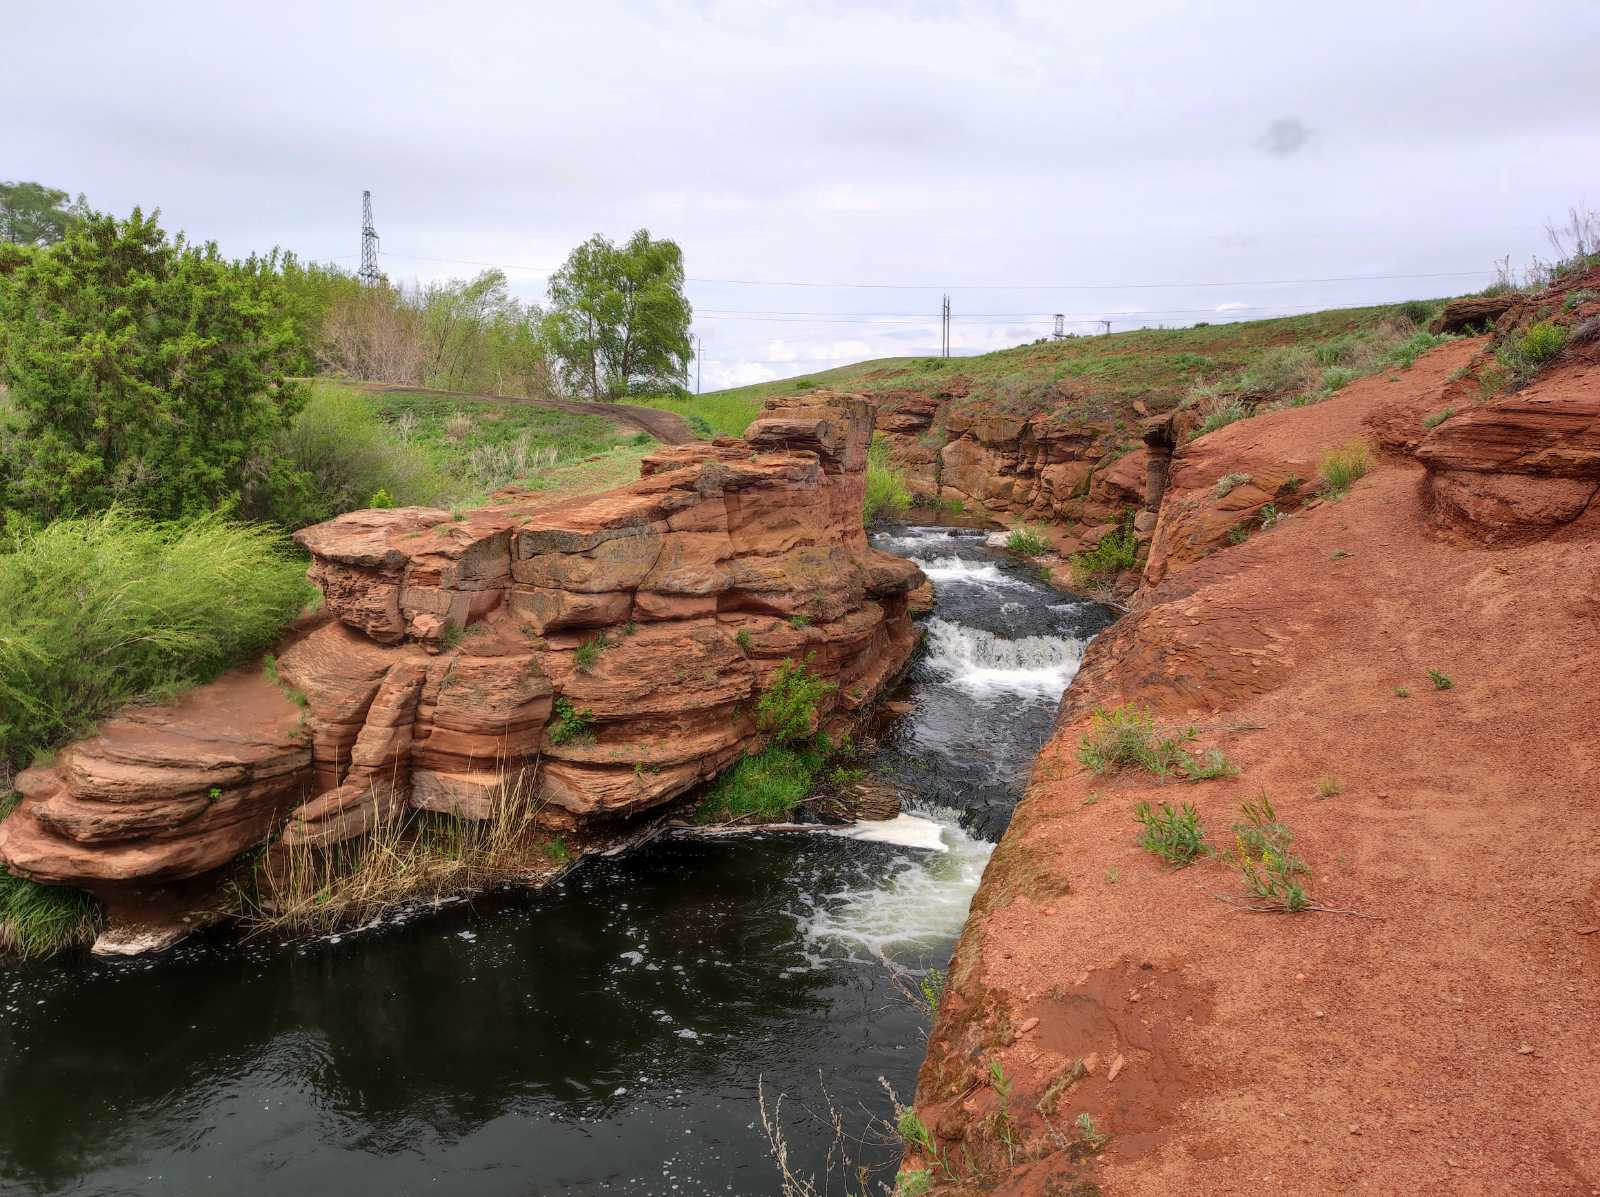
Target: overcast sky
(1027,158)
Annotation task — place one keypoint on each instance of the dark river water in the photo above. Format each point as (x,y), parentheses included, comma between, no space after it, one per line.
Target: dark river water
(607,1035)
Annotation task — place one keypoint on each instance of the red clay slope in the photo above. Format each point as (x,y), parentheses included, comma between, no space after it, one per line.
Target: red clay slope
(1446,1039)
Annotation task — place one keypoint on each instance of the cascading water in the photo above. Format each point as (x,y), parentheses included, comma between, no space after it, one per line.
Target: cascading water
(605,1036)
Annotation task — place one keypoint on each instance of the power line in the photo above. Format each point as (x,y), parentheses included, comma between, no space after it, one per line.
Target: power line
(745,282)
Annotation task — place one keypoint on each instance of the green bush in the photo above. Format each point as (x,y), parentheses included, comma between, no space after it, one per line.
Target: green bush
(338,456)
(1534,350)
(142,371)
(888,496)
(787,708)
(98,611)
(1261,850)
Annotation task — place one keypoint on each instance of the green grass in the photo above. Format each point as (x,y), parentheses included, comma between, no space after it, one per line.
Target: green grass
(721,413)
(1439,417)
(588,653)
(41,920)
(1127,737)
(888,496)
(1227,484)
(1027,541)
(1441,681)
(1116,552)
(1175,836)
(1341,467)
(765,786)
(99,611)
(1524,356)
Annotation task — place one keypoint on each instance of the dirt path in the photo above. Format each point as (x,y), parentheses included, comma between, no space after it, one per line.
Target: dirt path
(667,427)
(1446,1039)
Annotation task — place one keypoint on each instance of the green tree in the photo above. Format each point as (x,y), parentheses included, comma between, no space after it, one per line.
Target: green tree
(33,214)
(619,319)
(141,371)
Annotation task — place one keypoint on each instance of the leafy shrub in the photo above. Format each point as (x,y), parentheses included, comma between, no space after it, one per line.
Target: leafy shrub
(570,724)
(1175,836)
(1115,553)
(1335,378)
(888,496)
(787,708)
(1028,542)
(98,611)
(1341,467)
(1532,351)
(338,456)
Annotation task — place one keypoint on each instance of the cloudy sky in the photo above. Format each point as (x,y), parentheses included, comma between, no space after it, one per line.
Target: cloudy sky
(1150,163)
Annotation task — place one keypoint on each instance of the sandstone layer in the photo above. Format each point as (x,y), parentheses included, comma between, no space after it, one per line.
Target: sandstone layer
(603,653)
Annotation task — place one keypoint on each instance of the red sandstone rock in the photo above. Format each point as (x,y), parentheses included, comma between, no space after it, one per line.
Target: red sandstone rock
(433,683)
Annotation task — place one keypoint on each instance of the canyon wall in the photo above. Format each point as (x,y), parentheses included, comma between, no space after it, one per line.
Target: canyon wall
(609,647)
(1404,670)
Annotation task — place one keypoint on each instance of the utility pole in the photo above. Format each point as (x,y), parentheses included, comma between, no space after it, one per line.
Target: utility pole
(1060,333)
(1107,323)
(944,319)
(368,273)
(699,346)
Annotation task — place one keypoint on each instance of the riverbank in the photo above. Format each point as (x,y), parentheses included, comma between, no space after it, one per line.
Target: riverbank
(1415,705)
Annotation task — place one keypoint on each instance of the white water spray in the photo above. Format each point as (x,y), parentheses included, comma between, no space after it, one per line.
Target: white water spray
(976,660)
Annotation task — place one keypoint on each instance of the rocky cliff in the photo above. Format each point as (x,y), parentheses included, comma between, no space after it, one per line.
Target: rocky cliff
(610,646)
(1405,671)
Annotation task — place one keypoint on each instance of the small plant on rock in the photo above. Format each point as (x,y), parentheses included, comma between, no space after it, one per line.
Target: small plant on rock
(1027,541)
(588,654)
(1089,1134)
(743,639)
(1341,467)
(1439,417)
(1227,484)
(571,725)
(787,709)
(1261,850)
(1176,836)
(1441,681)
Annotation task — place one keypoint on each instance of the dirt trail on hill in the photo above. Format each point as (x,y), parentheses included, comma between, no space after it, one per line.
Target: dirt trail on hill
(1445,1039)
(667,427)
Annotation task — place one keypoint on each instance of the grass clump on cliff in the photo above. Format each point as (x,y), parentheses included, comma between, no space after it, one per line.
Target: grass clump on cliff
(1115,553)
(96,612)
(1341,467)
(769,784)
(571,725)
(1028,542)
(888,496)
(1270,871)
(1176,836)
(416,857)
(1524,356)
(41,920)
(1127,737)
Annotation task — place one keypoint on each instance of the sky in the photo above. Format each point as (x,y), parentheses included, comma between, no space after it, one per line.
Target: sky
(831,170)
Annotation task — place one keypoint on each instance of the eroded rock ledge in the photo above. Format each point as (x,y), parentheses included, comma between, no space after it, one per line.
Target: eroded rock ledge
(657,611)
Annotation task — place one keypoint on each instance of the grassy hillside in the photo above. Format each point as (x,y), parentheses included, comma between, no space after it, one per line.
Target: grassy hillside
(1159,366)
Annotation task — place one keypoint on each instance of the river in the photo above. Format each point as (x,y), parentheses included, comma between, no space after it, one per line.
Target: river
(607,1035)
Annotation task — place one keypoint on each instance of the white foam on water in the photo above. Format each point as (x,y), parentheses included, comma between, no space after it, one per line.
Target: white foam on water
(977,660)
(923,903)
(909,831)
(913,539)
(970,573)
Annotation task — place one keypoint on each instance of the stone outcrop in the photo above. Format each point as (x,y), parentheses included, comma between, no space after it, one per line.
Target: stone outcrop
(602,652)
(1518,465)
(1473,313)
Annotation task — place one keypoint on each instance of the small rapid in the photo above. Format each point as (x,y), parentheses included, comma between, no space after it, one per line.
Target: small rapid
(606,1035)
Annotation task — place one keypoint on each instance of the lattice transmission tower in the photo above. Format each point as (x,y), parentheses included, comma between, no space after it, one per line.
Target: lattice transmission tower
(369,243)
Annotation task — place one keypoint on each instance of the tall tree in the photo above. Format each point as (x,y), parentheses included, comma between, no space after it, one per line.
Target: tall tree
(619,320)
(33,214)
(141,370)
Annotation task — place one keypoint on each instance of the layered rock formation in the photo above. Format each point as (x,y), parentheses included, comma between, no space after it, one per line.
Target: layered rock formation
(602,652)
